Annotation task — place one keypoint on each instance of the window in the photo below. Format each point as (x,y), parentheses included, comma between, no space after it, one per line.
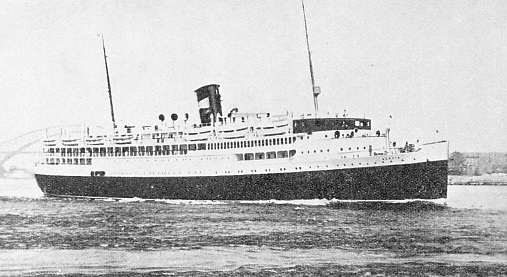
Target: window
(110,151)
(158,150)
(183,149)
(125,151)
(166,149)
(292,153)
(102,151)
(282,154)
(95,151)
(271,155)
(149,150)
(141,150)
(133,151)
(117,151)
(259,156)
(192,147)
(174,149)
(249,156)
(201,146)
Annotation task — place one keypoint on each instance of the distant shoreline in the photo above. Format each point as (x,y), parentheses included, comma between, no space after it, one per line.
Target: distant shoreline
(496,179)
(478,184)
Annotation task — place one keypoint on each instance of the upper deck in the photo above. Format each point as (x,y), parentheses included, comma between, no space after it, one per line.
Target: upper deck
(310,125)
(235,126)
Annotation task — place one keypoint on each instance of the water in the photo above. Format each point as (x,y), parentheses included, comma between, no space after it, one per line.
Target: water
(41,236)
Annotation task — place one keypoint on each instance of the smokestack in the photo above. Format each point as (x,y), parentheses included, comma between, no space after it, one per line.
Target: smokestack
(209,103)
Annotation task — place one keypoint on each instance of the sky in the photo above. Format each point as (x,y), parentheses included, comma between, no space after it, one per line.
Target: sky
(428,70)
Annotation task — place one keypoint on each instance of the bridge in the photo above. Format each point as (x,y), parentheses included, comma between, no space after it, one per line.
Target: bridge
(29,145)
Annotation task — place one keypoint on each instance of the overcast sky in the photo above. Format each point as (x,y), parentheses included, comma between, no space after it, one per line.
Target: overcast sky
(431,65)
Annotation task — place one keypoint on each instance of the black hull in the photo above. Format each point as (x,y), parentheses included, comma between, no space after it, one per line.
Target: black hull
(426,180)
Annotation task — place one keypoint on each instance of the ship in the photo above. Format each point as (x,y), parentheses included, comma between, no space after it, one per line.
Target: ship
(243,156)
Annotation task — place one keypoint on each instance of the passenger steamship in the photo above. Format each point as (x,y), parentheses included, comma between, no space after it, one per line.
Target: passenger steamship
(243,156)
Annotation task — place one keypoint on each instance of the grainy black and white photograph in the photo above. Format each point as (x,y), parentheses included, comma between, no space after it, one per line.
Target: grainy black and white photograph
(253,138)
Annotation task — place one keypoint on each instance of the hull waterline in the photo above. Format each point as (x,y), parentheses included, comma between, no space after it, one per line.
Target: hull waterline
(426,180)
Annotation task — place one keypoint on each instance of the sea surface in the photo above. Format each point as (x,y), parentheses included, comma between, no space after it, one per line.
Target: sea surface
(465,236)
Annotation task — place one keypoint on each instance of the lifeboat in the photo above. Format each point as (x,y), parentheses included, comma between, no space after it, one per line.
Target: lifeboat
(70,142)
(280,128)
(235,133)
(50,142)
(98,140)
(122,138)
(198,134)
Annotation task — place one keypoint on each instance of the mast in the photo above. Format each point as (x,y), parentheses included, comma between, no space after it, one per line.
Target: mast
(315,89)
(108,84)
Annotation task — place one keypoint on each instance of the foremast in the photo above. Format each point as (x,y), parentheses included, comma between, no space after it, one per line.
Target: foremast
(108,84)
(315,89)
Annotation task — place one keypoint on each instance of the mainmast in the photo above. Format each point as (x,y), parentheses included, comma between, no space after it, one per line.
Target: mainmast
(108,84)
(315,89)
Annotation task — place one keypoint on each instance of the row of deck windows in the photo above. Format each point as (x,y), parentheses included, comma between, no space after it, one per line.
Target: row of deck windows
(75,161)
(266,155)
(163,150)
